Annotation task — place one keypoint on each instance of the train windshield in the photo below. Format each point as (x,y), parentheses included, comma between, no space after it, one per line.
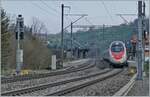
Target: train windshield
(117,47)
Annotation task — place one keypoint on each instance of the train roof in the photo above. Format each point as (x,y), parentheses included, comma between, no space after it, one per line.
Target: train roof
(117,42)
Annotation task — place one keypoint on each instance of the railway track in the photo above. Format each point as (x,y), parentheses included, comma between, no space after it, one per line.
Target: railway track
(124,90)
(94,78)
(85,84)
(83,66)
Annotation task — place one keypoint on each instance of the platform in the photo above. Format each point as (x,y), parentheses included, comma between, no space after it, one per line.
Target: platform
(140,88)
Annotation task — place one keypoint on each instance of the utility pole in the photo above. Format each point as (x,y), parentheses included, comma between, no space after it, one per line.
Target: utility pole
(62,33)
(19,36)
(103,31)
(144,31)
(71,41)
(139,44)
(81,16)
(103,34)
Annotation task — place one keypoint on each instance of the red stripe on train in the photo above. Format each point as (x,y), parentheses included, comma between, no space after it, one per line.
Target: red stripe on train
(117,55)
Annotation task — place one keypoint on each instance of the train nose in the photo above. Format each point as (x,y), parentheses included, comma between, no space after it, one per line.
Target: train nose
(117,56)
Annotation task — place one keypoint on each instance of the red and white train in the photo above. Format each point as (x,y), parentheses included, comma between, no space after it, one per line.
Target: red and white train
(117,54)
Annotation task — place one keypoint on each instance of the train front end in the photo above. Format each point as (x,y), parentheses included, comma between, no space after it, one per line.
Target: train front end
(117,53)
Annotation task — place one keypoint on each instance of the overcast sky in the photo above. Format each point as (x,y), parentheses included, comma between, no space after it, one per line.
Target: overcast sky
(49,12)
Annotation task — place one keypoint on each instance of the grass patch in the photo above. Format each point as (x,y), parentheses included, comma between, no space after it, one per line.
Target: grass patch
(146,68)
(7,72)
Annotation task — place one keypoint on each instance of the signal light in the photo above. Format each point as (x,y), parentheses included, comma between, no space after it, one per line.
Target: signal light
(21,36)
(19,15)
(16,35)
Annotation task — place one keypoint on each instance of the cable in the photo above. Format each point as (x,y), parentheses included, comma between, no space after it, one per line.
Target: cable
(53,9)
(40,7)
(107,10)
(49,7)
(47,12)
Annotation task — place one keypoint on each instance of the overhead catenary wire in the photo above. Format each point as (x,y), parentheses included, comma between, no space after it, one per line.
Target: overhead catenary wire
(107,10)
(53,9)
(71,15)
(46,11)
(46,6)
(42,9)
(50,7)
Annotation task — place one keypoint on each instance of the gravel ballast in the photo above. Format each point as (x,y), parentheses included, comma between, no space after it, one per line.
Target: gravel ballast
(35,82)
(104,88)
(64,86)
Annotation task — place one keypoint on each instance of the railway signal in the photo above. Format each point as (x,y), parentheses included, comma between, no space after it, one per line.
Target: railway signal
(20,27)
(19,36)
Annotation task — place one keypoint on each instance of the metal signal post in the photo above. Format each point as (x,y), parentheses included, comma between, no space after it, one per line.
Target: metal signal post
(19,36)
(140,50)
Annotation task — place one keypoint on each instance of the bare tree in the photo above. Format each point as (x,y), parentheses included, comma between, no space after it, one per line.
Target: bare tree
(38,28)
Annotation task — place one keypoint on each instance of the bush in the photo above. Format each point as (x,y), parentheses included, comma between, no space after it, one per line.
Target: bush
(146,67)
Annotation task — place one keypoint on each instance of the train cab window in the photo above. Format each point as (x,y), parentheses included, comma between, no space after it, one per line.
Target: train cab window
(117,47)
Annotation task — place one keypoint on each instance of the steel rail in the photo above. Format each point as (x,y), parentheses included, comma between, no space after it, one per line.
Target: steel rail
(84,66)
(45,86)
(88,83)
(125,89)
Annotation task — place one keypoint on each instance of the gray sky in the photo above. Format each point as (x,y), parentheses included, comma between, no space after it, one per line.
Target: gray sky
(49,12)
